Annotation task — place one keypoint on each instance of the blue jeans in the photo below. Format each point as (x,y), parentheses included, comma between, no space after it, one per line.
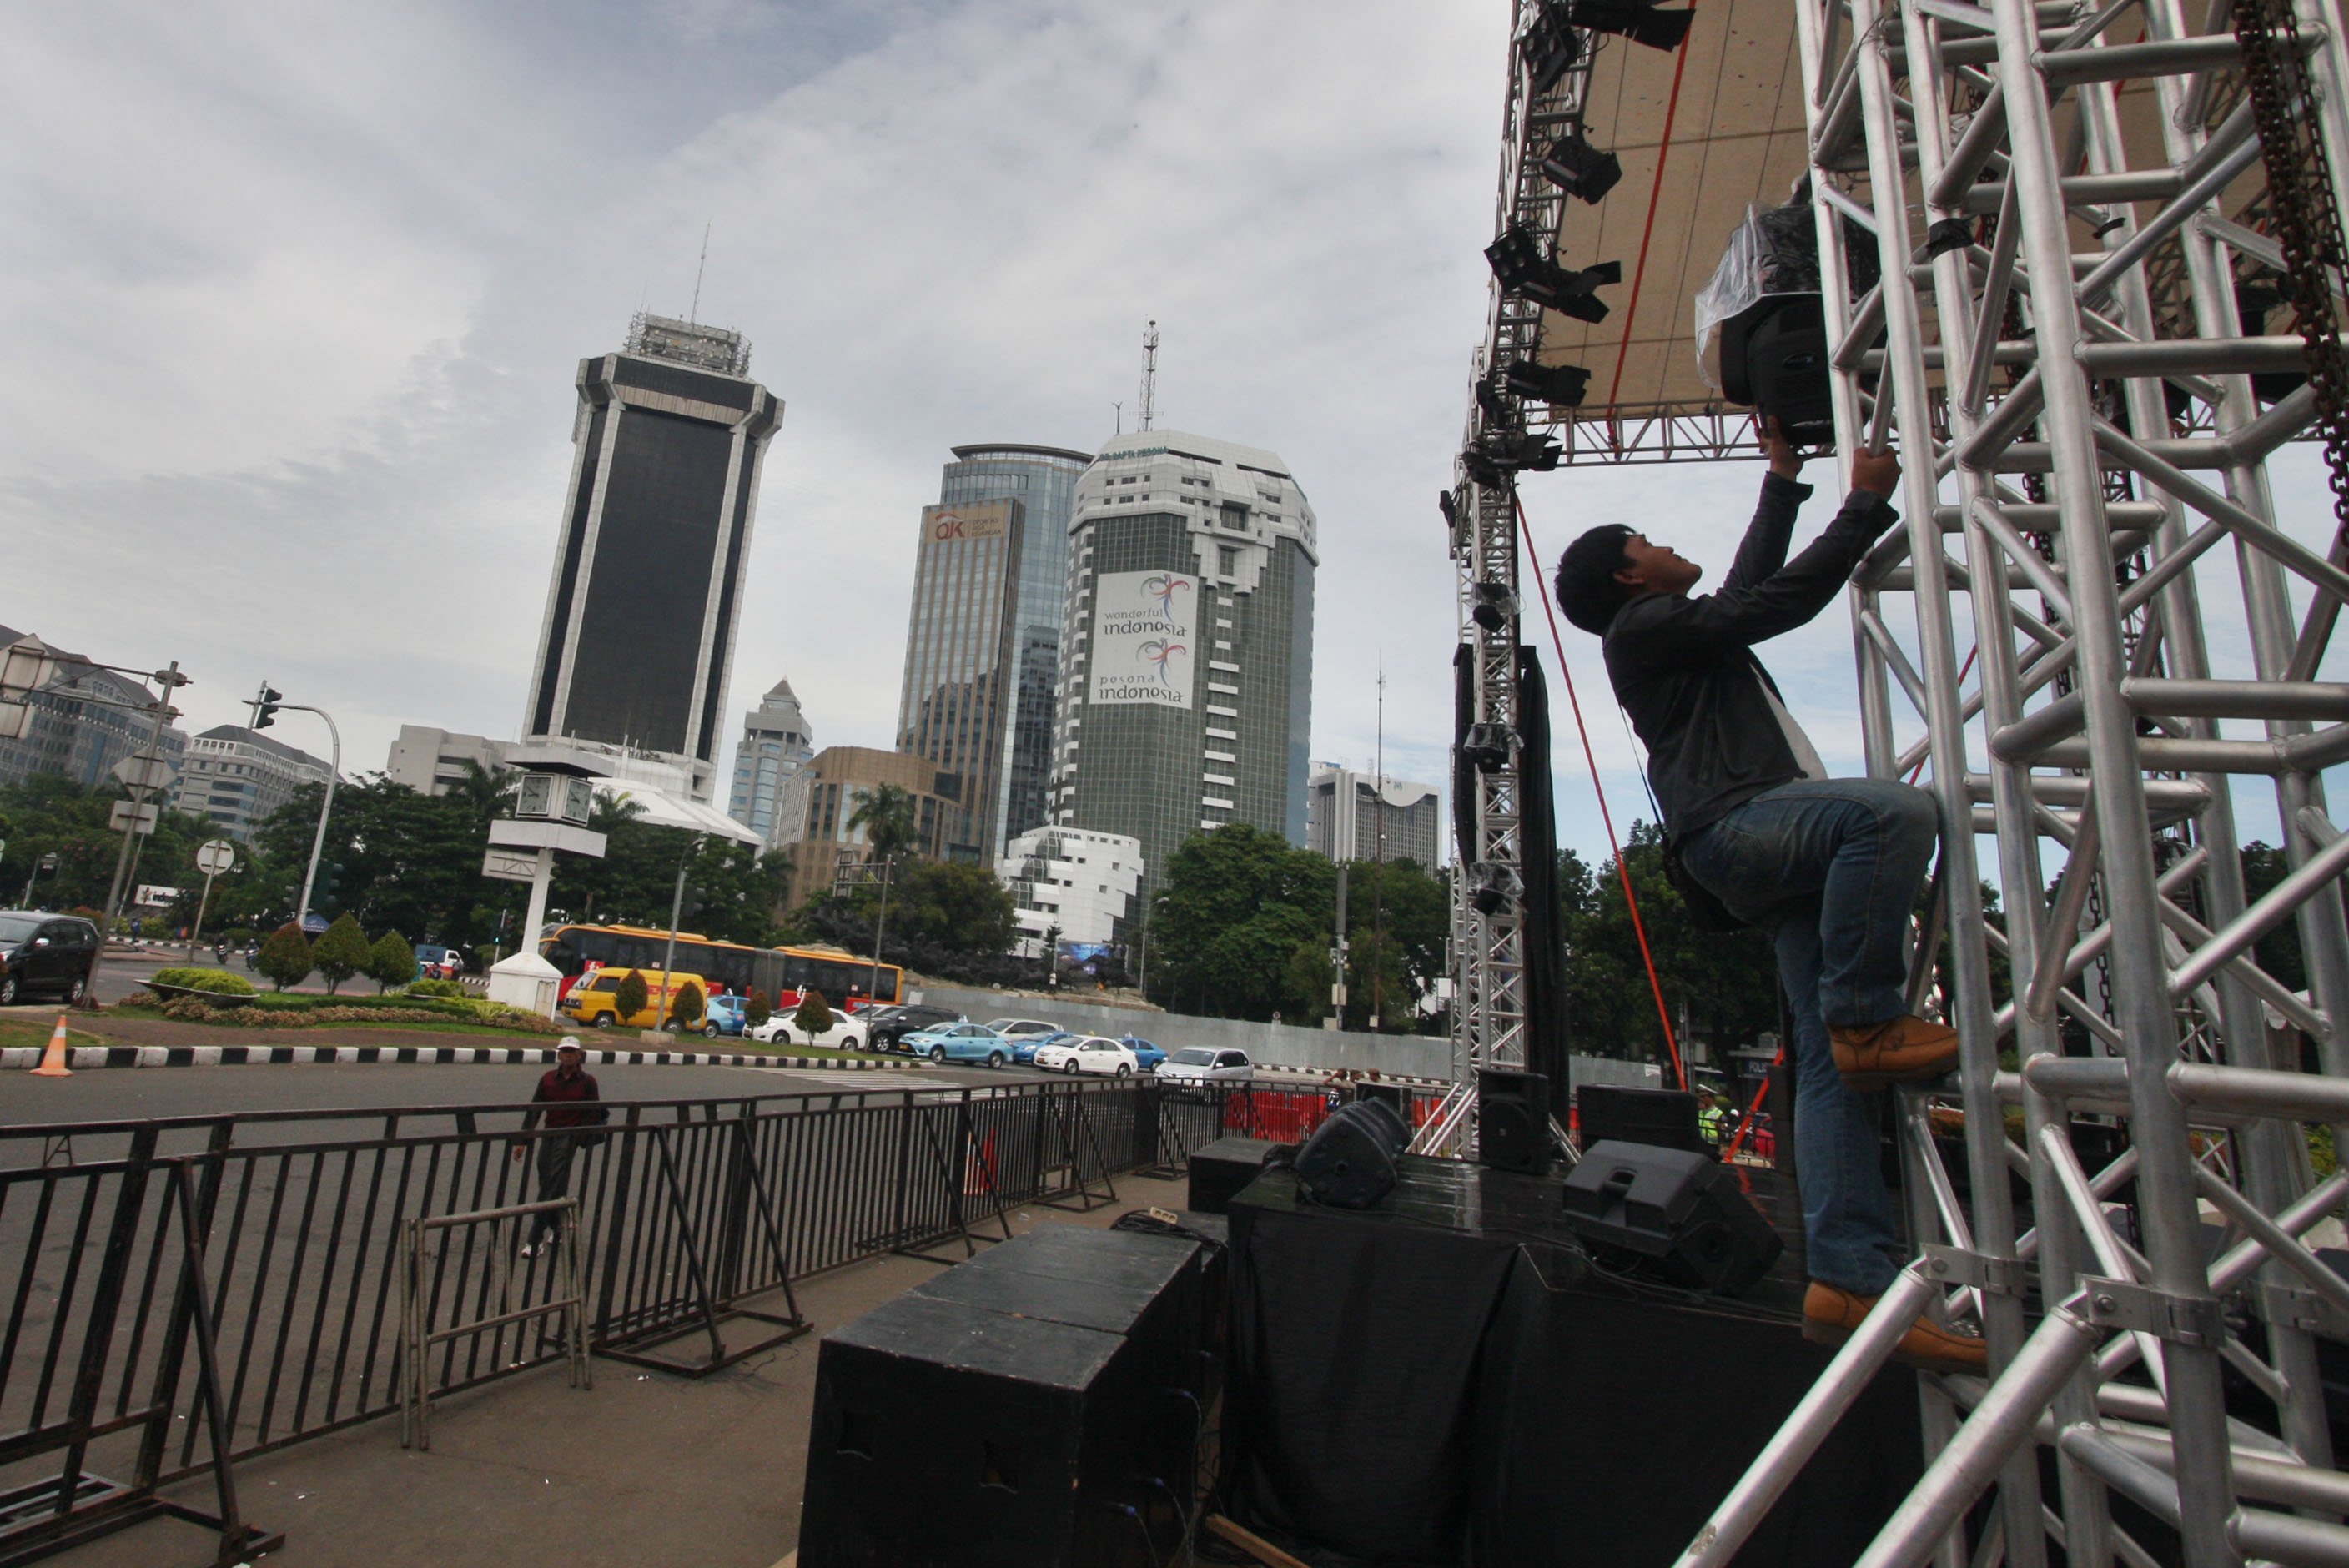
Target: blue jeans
(1831,868)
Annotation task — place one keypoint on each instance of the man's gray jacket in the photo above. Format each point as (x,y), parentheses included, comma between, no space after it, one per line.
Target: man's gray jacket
(1683,669)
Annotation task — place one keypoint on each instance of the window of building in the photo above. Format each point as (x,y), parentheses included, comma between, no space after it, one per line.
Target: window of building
(1227,559)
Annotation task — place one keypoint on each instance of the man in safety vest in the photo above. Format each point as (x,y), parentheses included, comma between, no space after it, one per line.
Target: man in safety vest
(1830,867)
(1708,1116)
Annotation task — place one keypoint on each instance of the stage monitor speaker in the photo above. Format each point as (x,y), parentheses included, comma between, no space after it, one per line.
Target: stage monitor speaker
(1685,1213)
(1774,359)
(1395,1096)
(1350,1161)
(1665,1118)
(1512,1120)
(1222,1169)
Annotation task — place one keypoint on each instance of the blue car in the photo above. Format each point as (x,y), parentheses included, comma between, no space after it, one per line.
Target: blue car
(959,1043)
(1145,1055)
(724,1016)
(1023,1047)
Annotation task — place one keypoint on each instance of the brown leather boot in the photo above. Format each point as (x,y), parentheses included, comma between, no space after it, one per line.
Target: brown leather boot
(1899,1050)
(1831,1314)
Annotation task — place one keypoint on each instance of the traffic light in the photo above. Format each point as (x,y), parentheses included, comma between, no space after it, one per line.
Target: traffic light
(264,706)
(322,890)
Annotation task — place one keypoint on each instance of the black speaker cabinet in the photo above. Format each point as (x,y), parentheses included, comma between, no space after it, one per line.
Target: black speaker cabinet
(1686,1213)
(1350,1161)
(1149,1288)
(1665,1118)
(1773,359)
(1219,1170)
(1512,1120)
(1395,1096)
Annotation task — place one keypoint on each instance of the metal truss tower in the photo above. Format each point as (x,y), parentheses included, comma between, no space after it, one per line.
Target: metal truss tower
(2061,340)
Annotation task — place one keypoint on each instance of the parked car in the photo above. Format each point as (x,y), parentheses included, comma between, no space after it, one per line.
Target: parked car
(1030,1029)
(1024,1048)
(1201,1064)
(1149,1057)
(597,1003)
(960,1043)
(1088,1054)
(51,952)
(726,1016)
(847,1034)
(890,1024)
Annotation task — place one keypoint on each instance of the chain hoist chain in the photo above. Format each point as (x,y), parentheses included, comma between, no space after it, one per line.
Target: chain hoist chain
(2305,217)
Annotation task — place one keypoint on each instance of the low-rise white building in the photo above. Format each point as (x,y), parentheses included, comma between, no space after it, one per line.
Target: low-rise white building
(1082,881)
(432,761)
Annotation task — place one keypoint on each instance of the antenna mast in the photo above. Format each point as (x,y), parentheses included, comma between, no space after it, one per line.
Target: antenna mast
(694,314)
(1149,377)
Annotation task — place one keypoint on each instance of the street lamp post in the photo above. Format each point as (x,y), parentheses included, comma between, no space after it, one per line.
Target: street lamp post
(881,924)
(676,914)
(265,707)
(170,679)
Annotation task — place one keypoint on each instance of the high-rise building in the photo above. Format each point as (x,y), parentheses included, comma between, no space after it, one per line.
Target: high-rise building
(639,626)
(776,744)
(238,778)
(432,761)
(813,807)
(1186,684)
(983,645)
(1352,816)
(83,721)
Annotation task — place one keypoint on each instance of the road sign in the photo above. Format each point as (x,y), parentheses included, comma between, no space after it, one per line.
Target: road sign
(510,865)
(315,924)
(217,855)
(143,772)
(125,814)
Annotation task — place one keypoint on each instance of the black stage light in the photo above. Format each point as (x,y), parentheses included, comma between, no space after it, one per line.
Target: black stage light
(1450,509)
(1481,469)
(1550,48)
(1488,745)
(1492,886)
(1580,169)
(1562,386)
(1490,605)
(1634,19)
(1493,397)
(1521,268)
(1524,450)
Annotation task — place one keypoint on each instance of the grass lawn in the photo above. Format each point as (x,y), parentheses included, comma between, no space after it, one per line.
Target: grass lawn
(19,1032)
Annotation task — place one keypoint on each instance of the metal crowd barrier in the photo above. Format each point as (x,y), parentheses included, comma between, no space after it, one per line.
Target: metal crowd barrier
(182,1293)
(417,1307)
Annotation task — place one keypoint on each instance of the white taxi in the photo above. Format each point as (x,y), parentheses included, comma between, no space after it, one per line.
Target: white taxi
(1088,1054)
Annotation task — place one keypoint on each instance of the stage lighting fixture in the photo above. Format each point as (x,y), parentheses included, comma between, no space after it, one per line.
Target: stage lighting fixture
(1562,386)
(1450,509)
(1523,450)
(1492,886)
(1488,745)
(1490,605)
(1580,169)
(1481,470)
(1493,397)
(1634,19)
(1550,48)
(1518,263)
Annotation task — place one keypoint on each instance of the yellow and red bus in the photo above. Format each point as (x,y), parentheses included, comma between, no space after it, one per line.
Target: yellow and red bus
(784,973)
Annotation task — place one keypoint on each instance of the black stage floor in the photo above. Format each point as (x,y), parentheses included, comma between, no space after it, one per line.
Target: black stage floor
(1449,1380)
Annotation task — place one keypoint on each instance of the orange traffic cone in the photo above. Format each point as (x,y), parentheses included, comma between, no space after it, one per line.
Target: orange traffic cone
(53,1060)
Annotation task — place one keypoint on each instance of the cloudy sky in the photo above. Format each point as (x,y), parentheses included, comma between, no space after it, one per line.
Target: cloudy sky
(295,295)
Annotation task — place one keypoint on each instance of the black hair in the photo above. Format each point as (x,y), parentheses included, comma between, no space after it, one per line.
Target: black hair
(1587,589)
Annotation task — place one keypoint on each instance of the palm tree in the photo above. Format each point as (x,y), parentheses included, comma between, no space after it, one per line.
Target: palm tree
(886,815)
(487,790)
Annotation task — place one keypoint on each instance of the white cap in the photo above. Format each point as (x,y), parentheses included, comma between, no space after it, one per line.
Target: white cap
(568,1043)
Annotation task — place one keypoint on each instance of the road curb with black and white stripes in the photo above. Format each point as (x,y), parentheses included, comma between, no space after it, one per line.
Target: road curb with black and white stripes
(82,1057)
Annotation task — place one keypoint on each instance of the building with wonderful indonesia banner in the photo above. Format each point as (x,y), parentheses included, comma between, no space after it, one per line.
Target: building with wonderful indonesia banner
(1186,667)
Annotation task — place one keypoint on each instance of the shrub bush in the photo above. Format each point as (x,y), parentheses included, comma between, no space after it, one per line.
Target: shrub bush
(285,956)
(341,952)
(632,997)
(815,1014)
(756,1008)
(391,962)
(219,981)
(686,1009)
(449,988)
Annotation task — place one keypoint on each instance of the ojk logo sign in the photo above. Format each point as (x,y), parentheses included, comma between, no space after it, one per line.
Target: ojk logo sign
(1142,639)
(947,524)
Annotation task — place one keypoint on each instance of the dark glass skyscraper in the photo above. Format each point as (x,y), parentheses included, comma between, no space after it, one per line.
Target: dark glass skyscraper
(639,623)
(983,650)
(1187,690)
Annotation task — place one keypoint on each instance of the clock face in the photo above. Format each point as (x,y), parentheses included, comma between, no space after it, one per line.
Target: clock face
(537,795)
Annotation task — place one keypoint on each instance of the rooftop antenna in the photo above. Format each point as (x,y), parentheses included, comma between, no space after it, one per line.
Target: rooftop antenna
(1149,377)
(694,314)
(1120,409)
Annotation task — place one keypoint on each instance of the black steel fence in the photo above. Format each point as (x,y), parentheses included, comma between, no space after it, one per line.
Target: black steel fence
(180,1292)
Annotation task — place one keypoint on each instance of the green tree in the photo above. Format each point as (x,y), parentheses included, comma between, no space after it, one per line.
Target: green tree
(738,888)
(963,908)
(285,956)
(886,814)
(391,962)
(814,1015)
(756,1008)
(1237,905)
(632,996)
(341,952)
(685,1011)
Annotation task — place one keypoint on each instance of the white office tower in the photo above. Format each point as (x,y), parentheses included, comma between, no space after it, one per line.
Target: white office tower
(1352,816)
(1082,883)
(776,744)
